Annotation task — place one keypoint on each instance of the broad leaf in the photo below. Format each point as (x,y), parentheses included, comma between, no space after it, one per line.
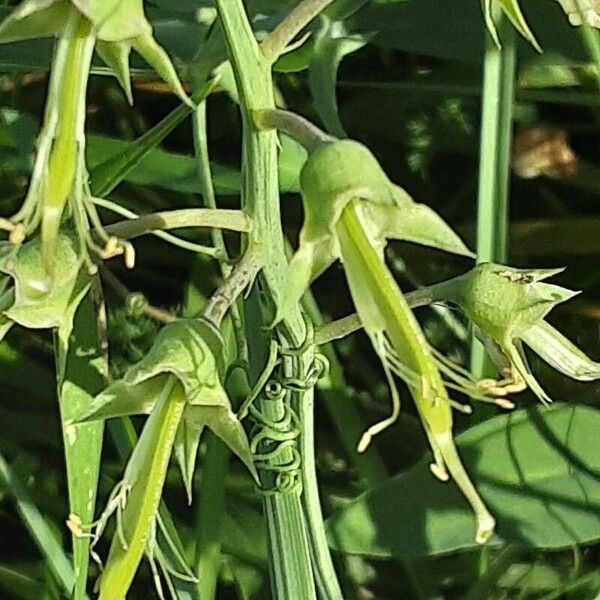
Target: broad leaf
(538,470)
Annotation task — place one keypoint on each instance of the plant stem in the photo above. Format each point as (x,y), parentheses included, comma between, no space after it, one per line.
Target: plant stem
(239,279)
(208,195)
(590,38)
(494,161)
(340,328)
(297,127)
(234,220)
(290,544)
(41,531)
(275,44)
(163,235)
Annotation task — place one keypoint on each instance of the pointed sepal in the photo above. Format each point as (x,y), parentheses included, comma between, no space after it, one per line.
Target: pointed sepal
(513,12)
(154,54)
(116,57)
(311,259)
(412,222)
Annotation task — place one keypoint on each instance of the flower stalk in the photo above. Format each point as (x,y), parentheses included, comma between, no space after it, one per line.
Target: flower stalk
(291,541)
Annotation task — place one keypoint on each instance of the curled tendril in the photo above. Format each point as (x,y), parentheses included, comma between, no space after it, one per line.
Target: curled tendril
(274,442)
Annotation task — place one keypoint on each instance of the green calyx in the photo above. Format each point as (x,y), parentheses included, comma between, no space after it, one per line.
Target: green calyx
(335,174)
(117,25)
(504,301)
(508,306)
(36,304)
(191,351)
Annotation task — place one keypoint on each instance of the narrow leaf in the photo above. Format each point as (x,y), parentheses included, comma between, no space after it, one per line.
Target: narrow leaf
(38,527)
(82,371)
(108,174)
(332,43)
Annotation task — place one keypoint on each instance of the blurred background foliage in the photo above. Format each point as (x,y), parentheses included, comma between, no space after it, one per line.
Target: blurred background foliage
(405,78)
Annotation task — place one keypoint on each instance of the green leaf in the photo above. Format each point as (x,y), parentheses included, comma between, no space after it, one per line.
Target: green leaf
(332,43)
(167,170)
(38,527)
(82,372)
(538,471)
(20,585)
(105,176)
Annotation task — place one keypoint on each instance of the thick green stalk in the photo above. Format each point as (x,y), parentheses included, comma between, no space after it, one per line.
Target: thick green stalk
(590,39)
(276,43)
(290,543)
(290,563)
(69,83)
(494,161)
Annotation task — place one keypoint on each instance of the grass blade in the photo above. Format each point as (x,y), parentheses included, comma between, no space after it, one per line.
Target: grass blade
(40,530)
